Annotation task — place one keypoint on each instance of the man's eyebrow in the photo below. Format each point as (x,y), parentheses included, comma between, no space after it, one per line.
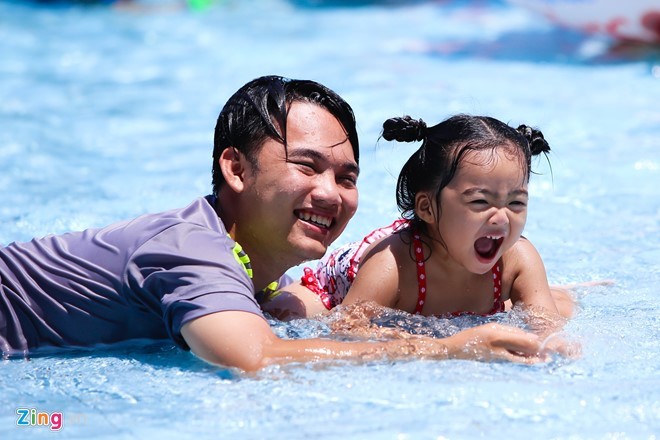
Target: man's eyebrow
(349,165)
(477,190)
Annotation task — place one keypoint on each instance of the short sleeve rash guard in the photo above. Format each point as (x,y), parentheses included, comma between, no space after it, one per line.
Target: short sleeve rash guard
(138,279)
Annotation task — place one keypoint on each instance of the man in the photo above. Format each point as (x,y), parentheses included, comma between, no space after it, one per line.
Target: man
(285,167)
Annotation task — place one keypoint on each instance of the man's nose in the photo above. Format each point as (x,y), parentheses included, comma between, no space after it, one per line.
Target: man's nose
(327,190)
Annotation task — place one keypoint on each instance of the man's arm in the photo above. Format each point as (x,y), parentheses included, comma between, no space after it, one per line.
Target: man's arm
(246,341)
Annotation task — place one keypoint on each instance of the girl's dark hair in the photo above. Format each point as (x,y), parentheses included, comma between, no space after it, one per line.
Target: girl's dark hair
(258,111)
(445,145)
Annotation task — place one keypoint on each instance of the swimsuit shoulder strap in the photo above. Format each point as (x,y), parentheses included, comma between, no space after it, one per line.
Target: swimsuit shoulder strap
(421,272)
(498,304)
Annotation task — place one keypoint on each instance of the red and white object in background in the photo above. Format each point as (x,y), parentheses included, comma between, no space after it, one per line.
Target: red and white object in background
(637,20)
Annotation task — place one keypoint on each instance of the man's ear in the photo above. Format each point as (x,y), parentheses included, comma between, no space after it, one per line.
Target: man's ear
(424,207)
(232,164)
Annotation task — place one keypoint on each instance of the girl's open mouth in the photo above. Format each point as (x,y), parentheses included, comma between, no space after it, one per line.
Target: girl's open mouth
(487,247)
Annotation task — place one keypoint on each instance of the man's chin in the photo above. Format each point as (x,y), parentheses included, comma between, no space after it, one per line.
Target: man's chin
(309,247)
(313,252)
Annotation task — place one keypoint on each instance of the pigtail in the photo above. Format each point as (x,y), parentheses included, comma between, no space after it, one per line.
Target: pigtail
(405,129)
(411,177)
(535,139)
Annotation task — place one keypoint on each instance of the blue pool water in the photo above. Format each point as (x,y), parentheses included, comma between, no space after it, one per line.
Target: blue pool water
(107,114)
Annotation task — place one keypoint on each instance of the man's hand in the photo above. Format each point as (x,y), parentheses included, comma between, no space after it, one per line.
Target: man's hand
(492,342)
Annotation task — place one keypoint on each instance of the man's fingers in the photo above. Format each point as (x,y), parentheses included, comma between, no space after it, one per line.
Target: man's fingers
(557,344)
(521,359)
(528,345)
(515,340)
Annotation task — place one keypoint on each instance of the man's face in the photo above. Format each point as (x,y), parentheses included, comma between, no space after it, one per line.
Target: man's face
(296,205)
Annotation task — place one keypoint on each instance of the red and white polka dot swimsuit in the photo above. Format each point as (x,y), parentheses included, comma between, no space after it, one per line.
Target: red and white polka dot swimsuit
(335,273)
(498,304)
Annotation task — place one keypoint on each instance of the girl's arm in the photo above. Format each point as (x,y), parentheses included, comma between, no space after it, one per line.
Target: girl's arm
(530,286)
(378,277)
(376,281)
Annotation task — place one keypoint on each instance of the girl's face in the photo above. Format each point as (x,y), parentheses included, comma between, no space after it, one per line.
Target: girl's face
(483,208)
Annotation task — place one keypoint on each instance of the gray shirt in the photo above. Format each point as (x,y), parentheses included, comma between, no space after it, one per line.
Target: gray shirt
(136,279)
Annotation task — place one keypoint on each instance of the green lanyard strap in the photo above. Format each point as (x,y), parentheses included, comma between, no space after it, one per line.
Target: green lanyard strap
(242,258)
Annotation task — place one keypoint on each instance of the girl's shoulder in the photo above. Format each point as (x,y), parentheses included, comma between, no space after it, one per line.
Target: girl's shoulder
(521,257)
(385,269)
(521,250)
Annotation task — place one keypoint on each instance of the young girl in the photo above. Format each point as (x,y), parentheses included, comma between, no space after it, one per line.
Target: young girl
(458,248)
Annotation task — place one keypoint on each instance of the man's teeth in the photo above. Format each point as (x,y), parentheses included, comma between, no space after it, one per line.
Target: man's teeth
(318,219)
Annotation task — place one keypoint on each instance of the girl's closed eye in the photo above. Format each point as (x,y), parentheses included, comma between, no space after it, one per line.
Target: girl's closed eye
(479,204)
(519,203)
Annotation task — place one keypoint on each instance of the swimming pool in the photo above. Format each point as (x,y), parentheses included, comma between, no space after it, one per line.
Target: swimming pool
(108,114)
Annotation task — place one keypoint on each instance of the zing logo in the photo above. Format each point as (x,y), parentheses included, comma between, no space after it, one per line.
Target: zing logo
(32,417)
